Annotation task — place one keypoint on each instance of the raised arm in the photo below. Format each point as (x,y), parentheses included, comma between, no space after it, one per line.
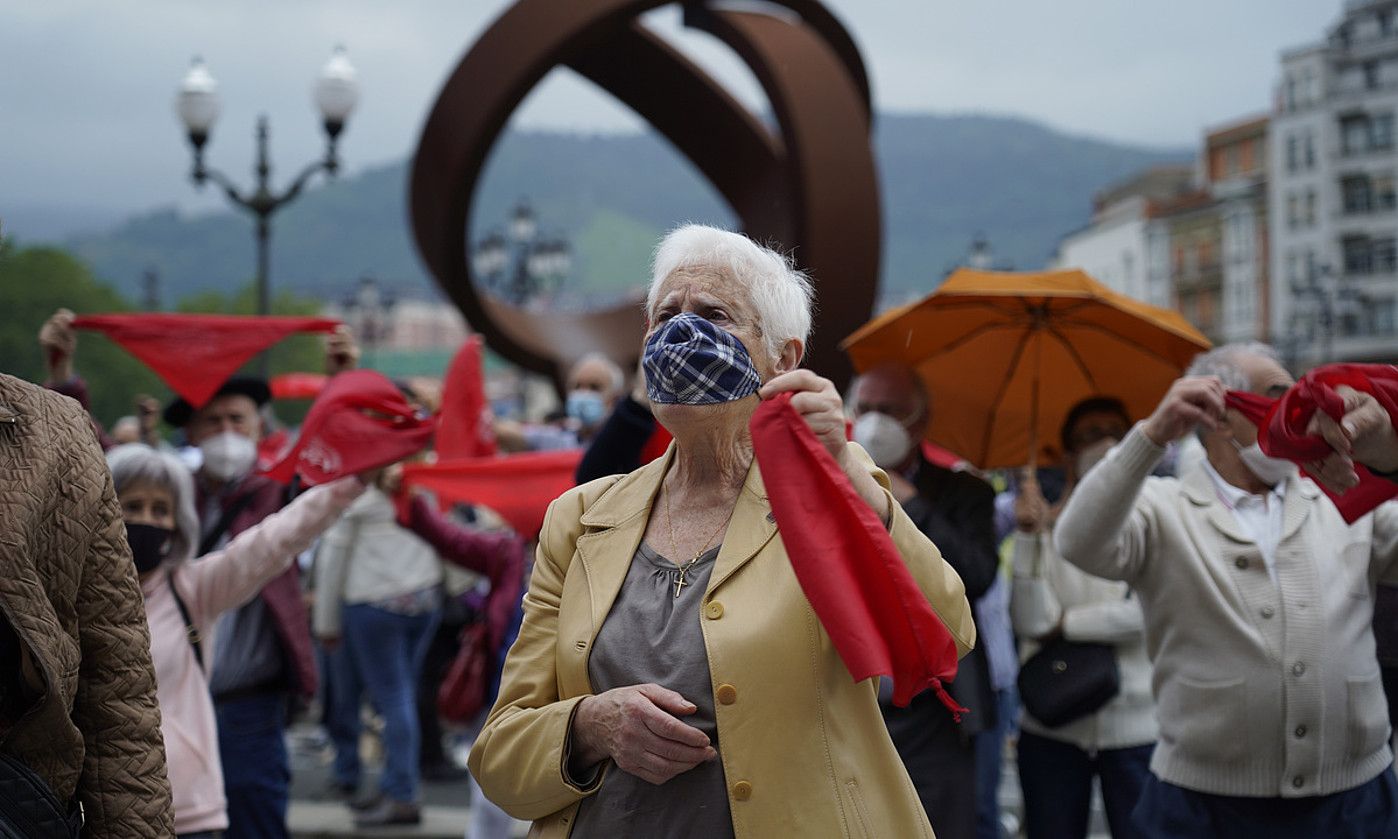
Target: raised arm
(230,577)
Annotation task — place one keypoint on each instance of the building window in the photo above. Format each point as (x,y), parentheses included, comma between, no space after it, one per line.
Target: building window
(1310,208)
(1359,255)
(1384,197)
(1293,213)
(1385,255)
(1293,265)
(1354,134)
(1293,155)
(1383,316)
(1310,150)
(1356,194)
(1371,75)
(1381,132)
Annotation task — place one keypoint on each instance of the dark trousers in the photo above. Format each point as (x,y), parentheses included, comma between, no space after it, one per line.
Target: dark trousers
(440,654)
(1369,811)
(990,762)
(256,772)
(941,761)
(1057,781)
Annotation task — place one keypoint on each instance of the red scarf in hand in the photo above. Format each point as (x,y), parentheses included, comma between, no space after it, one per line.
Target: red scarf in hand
(1281,424)
(851,572)
(195,354)
(519,487)
(359,422)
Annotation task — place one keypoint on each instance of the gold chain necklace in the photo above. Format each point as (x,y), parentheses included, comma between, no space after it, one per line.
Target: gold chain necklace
(680,581)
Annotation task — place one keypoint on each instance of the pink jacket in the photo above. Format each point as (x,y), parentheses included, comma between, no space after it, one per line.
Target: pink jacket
(210,586)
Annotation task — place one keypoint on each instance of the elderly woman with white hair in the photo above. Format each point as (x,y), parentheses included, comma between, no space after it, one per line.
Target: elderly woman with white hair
(184,598)
(670,677)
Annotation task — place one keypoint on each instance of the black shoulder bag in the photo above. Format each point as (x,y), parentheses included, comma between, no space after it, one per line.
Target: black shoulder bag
(29,809)
(1067,680)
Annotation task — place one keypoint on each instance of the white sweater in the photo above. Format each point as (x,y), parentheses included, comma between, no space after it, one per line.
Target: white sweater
(1048,590)
(1261,690)
(366,557)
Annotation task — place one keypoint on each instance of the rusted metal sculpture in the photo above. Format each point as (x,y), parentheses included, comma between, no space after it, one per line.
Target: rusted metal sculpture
(811,186)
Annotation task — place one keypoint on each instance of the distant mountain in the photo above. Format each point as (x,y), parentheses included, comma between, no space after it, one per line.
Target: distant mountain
(944,180)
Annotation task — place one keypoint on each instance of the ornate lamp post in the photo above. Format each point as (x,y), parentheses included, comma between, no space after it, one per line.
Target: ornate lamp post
(521,267)
(336,92)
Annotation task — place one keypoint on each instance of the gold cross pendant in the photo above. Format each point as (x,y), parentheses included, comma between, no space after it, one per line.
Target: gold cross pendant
(679,584)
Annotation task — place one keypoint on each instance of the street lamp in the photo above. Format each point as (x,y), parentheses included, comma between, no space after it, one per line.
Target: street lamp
(520,267)
(335,94)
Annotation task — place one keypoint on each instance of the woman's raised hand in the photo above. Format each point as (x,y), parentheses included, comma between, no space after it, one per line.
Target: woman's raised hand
(818,403)
(636,727)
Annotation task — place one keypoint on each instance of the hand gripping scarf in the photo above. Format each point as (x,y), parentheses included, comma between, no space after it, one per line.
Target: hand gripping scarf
(1281,424)
(196,354)
(861,590)
(359,422)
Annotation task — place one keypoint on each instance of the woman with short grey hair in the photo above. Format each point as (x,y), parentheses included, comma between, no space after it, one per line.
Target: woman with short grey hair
(183,599)
(670,678)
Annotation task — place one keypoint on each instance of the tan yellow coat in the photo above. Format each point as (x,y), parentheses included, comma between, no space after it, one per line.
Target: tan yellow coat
(803,746)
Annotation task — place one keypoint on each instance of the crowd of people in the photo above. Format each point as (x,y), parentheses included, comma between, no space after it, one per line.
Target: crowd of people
(1167,612)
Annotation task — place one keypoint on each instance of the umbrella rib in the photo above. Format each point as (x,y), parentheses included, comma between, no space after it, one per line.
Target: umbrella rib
(1075,355)
(1131,342)
(1000,395)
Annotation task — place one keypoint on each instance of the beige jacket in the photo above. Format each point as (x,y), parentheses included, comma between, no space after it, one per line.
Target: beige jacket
(804,748)
(1261,689)
(87,719)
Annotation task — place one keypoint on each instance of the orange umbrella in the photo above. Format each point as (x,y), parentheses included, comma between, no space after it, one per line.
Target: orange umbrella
(1006,354)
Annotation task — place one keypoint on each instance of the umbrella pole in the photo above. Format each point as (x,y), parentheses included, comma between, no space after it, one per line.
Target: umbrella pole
(1037,336)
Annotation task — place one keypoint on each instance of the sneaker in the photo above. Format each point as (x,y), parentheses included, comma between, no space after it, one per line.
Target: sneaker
(388,811)
(367,801)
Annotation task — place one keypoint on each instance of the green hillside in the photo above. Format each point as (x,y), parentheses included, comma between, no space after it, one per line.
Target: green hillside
(944,179)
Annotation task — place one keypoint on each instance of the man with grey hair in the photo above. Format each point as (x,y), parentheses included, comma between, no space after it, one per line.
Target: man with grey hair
(1257,600)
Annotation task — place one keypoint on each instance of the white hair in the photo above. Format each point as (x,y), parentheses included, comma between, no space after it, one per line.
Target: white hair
(1224,363)
(613,369)
(137,463)
(781,294)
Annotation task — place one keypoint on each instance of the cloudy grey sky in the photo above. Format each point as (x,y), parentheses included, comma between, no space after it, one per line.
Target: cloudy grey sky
(86,88)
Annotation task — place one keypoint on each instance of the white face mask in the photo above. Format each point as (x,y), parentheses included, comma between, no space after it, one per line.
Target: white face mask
(884,438)
(228,456)
(1269,470)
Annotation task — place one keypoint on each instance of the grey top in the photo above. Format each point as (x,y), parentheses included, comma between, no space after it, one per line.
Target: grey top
(653,636)
(247,654)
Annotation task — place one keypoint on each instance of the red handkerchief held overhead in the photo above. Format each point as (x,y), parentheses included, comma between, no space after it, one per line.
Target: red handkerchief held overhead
(851,572)
(195,354)
(1281,424)
(464,428)
(359,422)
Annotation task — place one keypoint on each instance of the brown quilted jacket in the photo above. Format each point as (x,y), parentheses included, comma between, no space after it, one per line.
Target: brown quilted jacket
(91,726)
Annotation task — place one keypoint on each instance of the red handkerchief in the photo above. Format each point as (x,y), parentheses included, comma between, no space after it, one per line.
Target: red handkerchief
(359,422)
(1281,424)
(519,487)
(196,354)
(851,572)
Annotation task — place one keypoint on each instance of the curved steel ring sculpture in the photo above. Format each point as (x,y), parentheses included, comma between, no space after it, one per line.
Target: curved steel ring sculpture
(810,186)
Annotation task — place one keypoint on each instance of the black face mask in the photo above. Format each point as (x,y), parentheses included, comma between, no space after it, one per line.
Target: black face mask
(149,545)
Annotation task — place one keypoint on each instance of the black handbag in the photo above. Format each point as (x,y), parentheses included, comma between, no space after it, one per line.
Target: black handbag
(1067,680)
(29,809)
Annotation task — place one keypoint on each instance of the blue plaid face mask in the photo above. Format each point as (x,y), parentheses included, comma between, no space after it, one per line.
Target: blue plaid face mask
(689,361)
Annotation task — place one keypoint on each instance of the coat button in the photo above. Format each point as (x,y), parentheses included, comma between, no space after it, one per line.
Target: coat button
(1298,782)
(713,610)
(1241,562)
(1300,732)
(726,694)
(742,791)
(1268,611)
(1298,668)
